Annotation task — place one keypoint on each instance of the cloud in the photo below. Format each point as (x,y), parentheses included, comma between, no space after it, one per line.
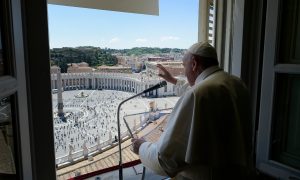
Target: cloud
(141,40)
(169,38)
(114,40)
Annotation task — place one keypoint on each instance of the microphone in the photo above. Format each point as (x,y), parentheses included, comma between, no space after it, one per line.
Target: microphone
(159,85)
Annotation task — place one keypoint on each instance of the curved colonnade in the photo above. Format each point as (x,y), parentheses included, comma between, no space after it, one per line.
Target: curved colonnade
(111,81)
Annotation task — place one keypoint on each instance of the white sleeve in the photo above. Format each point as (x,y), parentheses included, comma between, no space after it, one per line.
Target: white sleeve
(181,87)
(166,156)
(149,156)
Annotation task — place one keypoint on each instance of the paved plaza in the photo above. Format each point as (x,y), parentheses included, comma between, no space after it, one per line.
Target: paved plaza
(91,117)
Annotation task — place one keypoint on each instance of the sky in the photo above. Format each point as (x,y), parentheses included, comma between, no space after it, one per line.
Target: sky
(175,27)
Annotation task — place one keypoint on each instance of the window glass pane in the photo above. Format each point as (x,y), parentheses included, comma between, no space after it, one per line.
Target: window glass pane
(286,127)
(7,149)
(290,33)
(1,56)
(3,36)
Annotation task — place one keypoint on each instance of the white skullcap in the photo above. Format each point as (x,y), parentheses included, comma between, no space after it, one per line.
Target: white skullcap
(203,49)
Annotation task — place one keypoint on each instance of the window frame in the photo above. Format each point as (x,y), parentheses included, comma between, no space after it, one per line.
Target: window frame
(13,85)
(270,68)
(34,24)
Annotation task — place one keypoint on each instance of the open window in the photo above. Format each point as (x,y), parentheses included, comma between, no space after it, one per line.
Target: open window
(75,161)
(278,145)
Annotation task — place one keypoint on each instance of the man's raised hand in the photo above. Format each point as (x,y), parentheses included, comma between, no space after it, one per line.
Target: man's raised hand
(166,75)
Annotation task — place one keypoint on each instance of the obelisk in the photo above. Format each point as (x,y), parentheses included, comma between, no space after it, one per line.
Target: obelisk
(60,106)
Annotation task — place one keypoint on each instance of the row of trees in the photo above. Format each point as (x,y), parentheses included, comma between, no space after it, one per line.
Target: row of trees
(138,51)
(96,56)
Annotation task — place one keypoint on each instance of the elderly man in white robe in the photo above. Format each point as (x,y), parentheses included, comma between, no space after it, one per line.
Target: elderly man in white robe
(208,134)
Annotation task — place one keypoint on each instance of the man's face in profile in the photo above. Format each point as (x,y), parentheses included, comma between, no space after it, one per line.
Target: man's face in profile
(188,70)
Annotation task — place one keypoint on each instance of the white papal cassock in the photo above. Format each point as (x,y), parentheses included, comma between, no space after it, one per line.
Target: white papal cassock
(208,135)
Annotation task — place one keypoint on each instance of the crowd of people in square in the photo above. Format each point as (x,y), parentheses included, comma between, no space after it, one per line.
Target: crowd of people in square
(90,118)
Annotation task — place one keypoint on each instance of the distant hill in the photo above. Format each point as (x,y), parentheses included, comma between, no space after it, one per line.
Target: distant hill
(138,51)
(95,56)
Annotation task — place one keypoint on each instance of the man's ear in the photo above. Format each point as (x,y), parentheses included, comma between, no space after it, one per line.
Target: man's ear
(194,64)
